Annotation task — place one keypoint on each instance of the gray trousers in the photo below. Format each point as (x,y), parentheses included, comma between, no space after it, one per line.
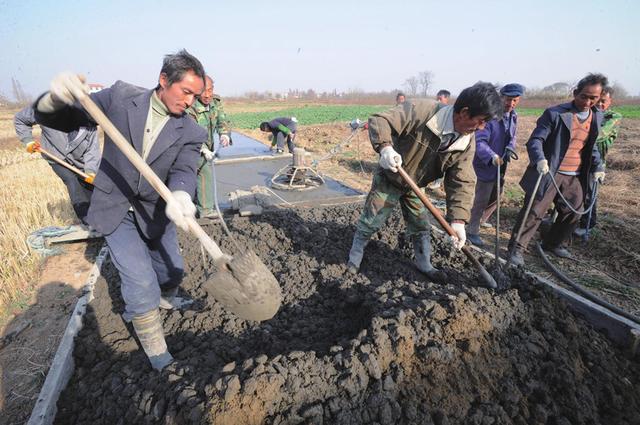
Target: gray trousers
(146,266)
(484,204)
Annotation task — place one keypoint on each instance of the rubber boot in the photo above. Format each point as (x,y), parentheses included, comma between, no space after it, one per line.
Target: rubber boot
(151,335)
(422,252)
(170,301)
(360,241)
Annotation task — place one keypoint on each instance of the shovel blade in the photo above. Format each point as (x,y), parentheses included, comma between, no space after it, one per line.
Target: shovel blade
(245,286)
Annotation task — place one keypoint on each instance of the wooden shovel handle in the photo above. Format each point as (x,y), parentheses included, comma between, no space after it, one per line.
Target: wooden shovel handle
(437,214)
(63,163)
(144,169)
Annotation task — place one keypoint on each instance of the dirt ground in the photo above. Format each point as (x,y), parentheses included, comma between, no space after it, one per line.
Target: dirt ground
(607,265)
(382,347)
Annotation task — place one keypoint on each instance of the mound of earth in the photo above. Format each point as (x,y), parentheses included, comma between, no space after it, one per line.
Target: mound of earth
(383,347)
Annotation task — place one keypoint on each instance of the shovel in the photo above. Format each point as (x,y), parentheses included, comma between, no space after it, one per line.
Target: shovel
(242,284)
(486,277)
(66,165)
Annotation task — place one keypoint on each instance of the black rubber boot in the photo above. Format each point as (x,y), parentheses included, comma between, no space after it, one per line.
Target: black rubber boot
(422,252)
(360,241)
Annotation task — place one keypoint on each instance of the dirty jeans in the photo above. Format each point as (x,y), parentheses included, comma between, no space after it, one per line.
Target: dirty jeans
(145,266)
(79,191)
(382,199)
(566,221)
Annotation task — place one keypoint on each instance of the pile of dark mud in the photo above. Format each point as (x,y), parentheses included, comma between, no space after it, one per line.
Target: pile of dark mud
(383,347)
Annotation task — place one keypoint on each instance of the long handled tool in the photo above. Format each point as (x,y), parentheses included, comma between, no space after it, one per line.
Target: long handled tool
(524,219)
(486,277)
(243,284)
(65,164)
(498,273)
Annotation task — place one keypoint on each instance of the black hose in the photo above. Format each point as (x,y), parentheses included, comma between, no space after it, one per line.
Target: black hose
(588,295)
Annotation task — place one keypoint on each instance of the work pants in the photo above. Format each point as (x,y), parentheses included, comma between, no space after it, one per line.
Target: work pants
(381,201)
(146,266)
(204,193)
(484,204)
(281,138)
(79,191)
(566,221)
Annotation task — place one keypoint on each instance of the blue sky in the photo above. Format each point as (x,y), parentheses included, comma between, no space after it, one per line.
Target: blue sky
(324,45)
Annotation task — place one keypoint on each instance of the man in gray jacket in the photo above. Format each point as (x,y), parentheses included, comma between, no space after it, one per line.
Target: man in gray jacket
(79,148)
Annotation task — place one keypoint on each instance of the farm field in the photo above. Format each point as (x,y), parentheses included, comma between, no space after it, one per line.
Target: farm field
(33,197)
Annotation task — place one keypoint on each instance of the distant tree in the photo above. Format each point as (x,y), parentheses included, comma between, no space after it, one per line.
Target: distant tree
(411,84)
(619,92)
(21,97)
(557,90)
(425,79)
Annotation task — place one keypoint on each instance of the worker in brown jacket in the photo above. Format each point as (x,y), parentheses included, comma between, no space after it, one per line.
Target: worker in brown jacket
(430,140)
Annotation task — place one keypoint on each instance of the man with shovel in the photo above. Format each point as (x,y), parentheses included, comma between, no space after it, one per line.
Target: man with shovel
(430,140)
(495,146)
(79,148)
(138,225)
(563,155)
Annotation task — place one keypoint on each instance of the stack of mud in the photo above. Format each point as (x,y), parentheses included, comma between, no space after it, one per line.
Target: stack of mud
(382,347)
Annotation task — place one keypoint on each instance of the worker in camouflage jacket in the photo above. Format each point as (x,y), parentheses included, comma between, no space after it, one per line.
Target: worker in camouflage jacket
(430,140)
(208,111)
(606,137)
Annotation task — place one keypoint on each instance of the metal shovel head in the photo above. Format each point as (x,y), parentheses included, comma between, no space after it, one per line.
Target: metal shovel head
(245,286)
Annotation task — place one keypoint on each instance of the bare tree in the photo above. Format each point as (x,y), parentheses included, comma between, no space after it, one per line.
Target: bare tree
(21,97)
(619,92)
(425,78)
(411,84)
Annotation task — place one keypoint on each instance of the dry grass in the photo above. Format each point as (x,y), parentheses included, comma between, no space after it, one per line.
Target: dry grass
(32,197)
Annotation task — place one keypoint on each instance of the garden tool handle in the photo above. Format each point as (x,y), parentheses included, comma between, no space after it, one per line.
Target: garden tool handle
(446,226)
(52,157)
(209,245)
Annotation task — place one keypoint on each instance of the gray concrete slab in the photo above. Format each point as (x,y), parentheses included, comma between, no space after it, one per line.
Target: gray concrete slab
(244,175)
(243,146)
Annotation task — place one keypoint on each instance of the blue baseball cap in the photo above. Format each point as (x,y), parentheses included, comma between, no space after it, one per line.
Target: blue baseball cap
(512,90)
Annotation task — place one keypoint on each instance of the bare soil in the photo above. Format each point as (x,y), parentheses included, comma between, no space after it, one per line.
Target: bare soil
(382,347)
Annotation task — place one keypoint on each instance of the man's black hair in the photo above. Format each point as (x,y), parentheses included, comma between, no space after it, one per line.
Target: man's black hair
(482,99)
(591,80)
(264,126)
(400,94)
(176,65)
(607,90)
(445,93)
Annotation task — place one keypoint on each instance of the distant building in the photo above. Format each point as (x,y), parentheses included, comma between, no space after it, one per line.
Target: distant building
(94,87)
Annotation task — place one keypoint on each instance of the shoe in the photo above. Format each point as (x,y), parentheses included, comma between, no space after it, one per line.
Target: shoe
(558,251)
(475,239)
(516,258)
(170,301)
(487,225)
(279,152)
(148,327)
(580,232)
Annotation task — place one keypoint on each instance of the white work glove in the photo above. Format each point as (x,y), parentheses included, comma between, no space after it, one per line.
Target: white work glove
(598,176)
(542,166)
(497,160)
(461,233)
(65,88)
(390,159)
(179,208)
(208,155)
(225,141)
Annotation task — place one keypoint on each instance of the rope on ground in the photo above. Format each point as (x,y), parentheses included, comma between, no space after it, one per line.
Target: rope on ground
(36,240)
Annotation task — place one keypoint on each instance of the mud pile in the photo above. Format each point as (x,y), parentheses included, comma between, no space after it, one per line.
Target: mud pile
(382,347)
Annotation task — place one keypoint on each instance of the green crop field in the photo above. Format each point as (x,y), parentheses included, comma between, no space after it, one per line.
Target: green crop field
(627,111)
(308,115)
